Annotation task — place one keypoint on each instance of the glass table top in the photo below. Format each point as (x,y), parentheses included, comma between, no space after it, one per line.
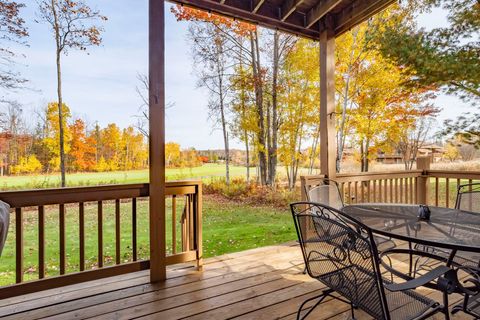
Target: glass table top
(447,228)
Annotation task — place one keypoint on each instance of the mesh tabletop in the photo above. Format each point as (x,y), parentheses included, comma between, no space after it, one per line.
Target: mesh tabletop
(446,228)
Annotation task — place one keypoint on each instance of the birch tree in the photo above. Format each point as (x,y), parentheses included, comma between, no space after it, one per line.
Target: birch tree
(74,26)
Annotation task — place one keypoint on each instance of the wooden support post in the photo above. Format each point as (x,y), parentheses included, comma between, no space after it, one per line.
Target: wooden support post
(328,152)
(157,140)
(423,163)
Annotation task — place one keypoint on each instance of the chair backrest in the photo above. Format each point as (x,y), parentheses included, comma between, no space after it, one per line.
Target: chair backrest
(327,192)
(341,257)
(468,197)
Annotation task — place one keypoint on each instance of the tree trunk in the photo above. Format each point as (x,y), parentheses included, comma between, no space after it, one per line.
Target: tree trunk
(224,125)
(272,152)
(247,162)
(59,93)
(262,159)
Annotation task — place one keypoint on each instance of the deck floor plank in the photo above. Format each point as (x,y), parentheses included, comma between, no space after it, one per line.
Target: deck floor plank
(264,283)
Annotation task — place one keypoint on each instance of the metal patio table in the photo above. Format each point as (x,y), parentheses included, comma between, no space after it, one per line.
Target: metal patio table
(447,229)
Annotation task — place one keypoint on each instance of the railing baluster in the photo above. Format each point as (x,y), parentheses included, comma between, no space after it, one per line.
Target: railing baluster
(447,192)
(134,229)
(396,190)
(391,191)
(374,190)
(356,192)
(81,234)
(191,223)
(362,190)
(62,238)
(401,189)
(19,244)
(412,200)
(380,190)
(415,192)
(41,242)
(436,191)
(100,234)
(174,224)
(470,200)
(368,191)
(117,231)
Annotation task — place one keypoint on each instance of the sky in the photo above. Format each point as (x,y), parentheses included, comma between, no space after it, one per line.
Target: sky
(100,86)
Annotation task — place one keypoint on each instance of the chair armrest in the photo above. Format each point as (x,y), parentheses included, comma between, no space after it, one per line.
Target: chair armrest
(420,281)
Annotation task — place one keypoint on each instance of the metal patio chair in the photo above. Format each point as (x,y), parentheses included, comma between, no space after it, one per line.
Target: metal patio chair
(468,199)
(341,253)
(326,192)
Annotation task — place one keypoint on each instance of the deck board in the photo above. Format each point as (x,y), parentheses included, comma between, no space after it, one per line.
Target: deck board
(264,283)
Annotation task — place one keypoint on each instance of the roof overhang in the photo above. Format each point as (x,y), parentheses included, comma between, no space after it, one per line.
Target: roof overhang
(305,18)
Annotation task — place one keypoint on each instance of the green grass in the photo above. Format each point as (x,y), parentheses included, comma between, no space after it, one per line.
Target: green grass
(204,172)
(227,227)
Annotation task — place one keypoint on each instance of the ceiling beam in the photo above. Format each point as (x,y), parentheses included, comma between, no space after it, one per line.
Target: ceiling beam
(267,16)
(289,7)
(357,12)
(256,4)
(320,10)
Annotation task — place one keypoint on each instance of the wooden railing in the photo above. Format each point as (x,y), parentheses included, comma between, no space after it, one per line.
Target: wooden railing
(423,186)
(443,185)
(389,187)
(118,205)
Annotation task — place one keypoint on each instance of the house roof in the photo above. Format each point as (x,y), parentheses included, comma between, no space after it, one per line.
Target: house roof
(306,18)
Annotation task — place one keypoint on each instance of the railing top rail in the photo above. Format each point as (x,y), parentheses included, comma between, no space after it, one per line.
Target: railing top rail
(43,197)
(474,175)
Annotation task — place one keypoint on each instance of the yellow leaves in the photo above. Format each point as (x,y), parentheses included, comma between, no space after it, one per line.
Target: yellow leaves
(28,165)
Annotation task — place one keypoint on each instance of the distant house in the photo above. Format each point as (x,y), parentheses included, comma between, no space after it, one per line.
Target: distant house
(428,150)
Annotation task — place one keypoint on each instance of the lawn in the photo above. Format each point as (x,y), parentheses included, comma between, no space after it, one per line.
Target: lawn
(227,227)
(204,172)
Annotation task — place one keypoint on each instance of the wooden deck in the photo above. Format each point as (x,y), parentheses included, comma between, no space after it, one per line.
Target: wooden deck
(264,283)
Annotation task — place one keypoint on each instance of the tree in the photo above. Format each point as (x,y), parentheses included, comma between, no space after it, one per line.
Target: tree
(142,116)
(451,152)
(298,98)
(210,55)
(82,149)
(74,26)
(172,154)
(53,131)
(12,30)
(412,131)
(445,57)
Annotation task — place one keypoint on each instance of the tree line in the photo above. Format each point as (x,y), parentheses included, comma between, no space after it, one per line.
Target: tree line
(26,149)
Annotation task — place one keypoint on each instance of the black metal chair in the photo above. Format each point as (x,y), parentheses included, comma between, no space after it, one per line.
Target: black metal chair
(327,192)
(342,254)
(468,199)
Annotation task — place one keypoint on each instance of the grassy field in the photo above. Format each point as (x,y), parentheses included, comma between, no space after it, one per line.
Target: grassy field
(227,227)
(204,172)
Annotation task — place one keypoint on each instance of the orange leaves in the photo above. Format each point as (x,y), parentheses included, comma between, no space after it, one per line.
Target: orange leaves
(240,28)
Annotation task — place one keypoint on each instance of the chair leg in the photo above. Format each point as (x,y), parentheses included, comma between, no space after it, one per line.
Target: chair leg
(320,299)
(446,311)
(352,310)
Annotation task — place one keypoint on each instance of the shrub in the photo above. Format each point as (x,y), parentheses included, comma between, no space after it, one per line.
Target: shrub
(251,193)
(28,164)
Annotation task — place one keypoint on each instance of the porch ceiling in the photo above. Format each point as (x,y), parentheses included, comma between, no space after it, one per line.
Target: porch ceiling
(306,18)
